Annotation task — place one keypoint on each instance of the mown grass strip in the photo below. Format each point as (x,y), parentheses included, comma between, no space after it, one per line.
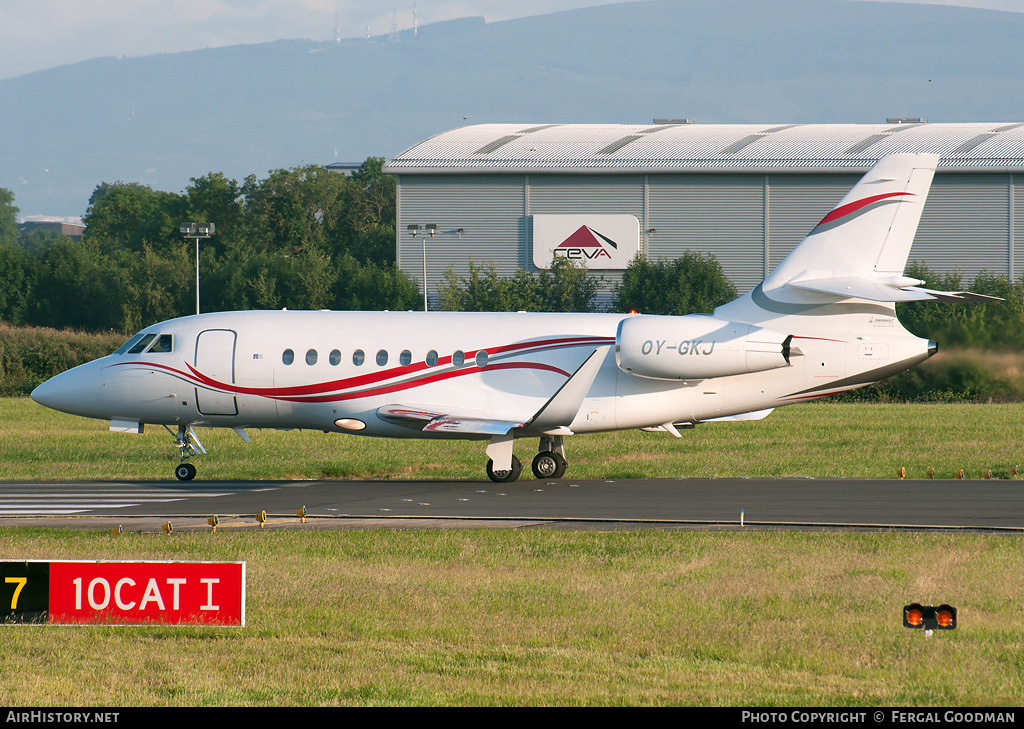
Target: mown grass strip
(495,617)
(842,440)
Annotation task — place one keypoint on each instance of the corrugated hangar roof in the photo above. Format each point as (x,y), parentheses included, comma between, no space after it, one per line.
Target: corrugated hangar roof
(684,147)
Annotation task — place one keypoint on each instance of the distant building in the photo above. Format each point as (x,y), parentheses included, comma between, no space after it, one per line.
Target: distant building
(71,230)
(516,194)
(345,168)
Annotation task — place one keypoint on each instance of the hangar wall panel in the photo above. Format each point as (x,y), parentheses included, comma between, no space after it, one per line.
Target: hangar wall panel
(796,203)
(490,210)
(965,225)
(750,222)
(605,194)
(1016,197)
(718,214)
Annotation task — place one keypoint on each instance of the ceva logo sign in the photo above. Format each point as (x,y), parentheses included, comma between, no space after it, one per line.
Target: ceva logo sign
(596,241)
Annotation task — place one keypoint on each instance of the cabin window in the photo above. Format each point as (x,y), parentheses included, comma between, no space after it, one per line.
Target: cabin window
(382,357)
(405,358)
(431,358)
(142,344)
(481,358)
(311,357)
(358,357)
(459,358)
(129,344)
(334,358)
(288,356)
(164,343)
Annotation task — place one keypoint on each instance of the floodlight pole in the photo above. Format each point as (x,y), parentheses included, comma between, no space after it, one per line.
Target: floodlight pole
(197,231)
(414,231)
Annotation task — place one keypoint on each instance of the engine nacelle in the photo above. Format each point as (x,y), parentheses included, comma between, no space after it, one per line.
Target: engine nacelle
(696,347)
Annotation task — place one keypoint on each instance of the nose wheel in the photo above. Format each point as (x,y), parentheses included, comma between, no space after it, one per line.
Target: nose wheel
(185,472)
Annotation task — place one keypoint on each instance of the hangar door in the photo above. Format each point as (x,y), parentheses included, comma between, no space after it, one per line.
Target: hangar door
(215,359)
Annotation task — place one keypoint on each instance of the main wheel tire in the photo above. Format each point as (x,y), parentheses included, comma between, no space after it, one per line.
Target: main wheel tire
(548,464)
(185,472)
(504,476)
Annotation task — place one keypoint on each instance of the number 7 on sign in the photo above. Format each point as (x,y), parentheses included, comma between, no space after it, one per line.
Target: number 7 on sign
(20,582)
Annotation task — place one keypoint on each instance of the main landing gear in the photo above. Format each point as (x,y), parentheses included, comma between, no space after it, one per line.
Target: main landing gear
(548,463)
(188,445)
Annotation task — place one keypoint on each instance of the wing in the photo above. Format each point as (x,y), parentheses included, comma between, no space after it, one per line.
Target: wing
(554,416)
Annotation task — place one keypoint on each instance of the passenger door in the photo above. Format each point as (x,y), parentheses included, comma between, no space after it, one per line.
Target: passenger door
(215,358)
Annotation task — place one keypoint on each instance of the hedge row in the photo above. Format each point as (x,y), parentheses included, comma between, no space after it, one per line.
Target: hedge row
(30,355)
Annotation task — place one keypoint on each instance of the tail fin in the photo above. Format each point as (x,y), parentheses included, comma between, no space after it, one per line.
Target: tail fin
(859,250)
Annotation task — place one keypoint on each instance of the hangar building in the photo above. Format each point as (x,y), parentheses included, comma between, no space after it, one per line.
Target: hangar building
(517,194)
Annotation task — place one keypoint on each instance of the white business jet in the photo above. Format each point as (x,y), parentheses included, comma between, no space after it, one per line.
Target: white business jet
(823,322)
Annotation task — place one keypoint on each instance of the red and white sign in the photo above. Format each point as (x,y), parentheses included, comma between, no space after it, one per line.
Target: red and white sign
(191,593)
(595,241)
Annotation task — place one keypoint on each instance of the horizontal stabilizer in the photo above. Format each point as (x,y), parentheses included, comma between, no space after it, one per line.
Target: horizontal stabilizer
(862,288)
(955,295)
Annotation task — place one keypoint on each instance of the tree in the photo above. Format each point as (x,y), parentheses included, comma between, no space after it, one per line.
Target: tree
(369,223)
(692,284)
(155,287)
(8,217)
(485,290)
(567,286)
(373,287)
(78,288)
(970,324)
(130,216)
(294,211)
(17,278)
(214,198)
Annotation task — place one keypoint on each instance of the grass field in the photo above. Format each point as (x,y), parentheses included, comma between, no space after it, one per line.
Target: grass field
(501,617)
(548,617)
(817,440)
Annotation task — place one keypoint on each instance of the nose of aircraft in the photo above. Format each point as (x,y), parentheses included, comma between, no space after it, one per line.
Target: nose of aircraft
(66,392)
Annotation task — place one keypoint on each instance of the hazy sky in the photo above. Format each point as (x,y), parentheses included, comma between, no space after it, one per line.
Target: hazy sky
(40,34)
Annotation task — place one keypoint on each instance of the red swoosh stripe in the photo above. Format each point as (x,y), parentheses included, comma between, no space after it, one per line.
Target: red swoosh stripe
(850,208)
(328,391)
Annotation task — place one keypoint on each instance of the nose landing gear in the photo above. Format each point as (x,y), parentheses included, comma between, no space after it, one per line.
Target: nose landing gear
(188,445)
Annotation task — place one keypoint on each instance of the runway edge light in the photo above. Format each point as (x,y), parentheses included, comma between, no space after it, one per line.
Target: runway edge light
(929,617)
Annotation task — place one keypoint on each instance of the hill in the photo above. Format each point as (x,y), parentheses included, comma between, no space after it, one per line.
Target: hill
(248,109)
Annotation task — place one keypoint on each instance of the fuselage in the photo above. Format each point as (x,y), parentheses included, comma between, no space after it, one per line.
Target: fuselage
(314,369)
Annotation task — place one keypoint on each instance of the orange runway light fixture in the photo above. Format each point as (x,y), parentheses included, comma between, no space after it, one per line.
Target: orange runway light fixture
(929,617)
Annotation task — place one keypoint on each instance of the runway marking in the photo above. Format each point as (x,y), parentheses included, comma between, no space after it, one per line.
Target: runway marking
(47,501)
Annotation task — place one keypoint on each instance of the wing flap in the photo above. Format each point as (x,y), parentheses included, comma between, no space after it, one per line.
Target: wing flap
(438,420)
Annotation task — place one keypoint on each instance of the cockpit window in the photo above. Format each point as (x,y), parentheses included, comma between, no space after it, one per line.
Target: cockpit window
(129,344)
(163,343)
(142,344)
